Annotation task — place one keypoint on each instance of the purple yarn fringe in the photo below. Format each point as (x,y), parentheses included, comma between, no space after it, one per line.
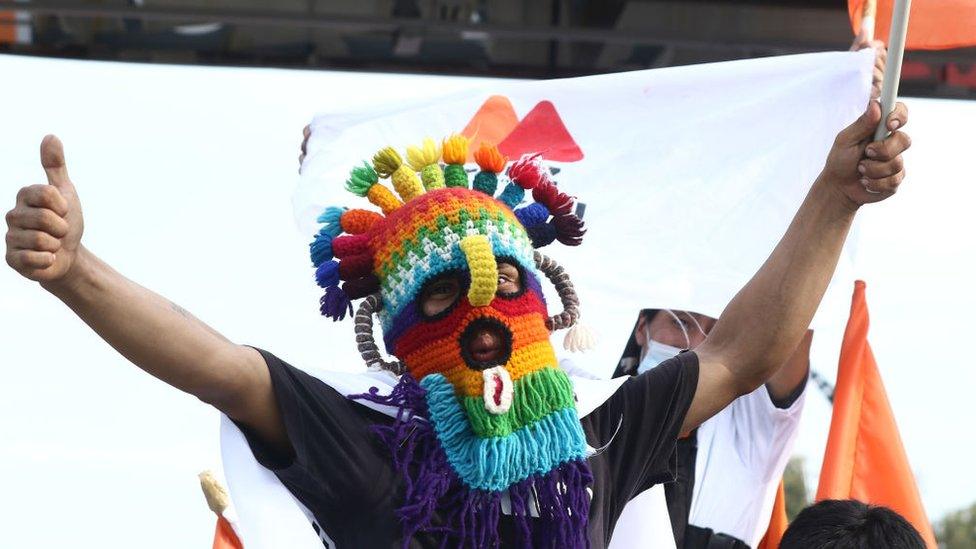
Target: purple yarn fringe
(470,517)
(335,304)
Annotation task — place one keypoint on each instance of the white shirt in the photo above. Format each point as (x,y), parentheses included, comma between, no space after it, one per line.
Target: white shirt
(742,452)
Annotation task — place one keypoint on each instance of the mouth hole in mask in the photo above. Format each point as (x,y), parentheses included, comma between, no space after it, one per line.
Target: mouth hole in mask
(485,342)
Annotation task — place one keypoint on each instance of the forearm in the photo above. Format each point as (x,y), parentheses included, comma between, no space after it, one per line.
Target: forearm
(44,231)
(761,327)
(153,333)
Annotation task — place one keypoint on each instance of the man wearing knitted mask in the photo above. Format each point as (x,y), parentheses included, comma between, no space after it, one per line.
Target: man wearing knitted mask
(739,454)
(460,464)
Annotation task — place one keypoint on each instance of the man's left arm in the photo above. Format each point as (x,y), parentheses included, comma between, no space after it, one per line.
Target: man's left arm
(762,326)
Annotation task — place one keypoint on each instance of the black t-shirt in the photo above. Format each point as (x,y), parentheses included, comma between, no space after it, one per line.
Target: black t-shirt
(343,474)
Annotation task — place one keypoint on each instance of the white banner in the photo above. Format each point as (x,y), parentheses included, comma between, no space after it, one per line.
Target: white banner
(689,175)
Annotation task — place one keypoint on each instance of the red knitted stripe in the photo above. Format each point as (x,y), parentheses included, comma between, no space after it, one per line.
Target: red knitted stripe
(445,354)
(356,266)
(513,312)
(348,245)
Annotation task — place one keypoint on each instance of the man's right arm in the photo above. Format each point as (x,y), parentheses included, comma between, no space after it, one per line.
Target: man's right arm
(44,244)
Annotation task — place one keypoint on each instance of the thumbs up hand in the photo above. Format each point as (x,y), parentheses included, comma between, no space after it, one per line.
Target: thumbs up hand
(44,228)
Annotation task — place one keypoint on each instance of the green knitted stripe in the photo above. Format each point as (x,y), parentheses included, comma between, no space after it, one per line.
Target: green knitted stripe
(387,271)
(455,176)
(433,177)
(535,396)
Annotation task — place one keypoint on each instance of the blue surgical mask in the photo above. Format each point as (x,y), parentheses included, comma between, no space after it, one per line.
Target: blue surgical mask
(655,353)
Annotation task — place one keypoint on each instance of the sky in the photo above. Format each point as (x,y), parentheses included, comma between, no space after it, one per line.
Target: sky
(186,176)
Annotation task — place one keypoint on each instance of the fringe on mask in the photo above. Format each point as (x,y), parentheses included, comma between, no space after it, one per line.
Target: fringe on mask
(470,517)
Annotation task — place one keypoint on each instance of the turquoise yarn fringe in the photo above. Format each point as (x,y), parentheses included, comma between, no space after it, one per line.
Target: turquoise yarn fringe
(496,463)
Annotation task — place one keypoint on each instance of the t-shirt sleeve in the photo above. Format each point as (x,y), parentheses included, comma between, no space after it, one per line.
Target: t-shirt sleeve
(762,432)
(649,409)
(323,426)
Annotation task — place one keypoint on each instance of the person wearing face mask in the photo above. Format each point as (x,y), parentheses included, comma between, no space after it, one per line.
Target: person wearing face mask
(481,441)
(738,455)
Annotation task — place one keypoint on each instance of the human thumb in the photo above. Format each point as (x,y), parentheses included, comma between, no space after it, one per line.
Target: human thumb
(52,160)
(863,128)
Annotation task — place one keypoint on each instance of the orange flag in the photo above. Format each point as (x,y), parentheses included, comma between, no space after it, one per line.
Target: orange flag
(8,28)
(932,24)
(865,459)
(225,537)
(777,522)
(217,499)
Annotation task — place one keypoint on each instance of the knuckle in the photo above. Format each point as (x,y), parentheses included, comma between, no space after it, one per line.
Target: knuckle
(53,222)
(881,172)
(876,170)
(885,152)
(32,217)
(17,259)
(45,219)
(48,194)
(34,192)
(36,240)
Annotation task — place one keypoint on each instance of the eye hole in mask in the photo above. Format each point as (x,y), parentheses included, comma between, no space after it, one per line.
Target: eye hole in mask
(511,278)
(441,294)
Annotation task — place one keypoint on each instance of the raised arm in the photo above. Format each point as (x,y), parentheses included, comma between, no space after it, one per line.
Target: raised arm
(762,325)
(786,382)
(44,244)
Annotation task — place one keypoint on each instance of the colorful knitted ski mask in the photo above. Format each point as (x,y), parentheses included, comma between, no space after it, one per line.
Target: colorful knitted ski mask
(469,434)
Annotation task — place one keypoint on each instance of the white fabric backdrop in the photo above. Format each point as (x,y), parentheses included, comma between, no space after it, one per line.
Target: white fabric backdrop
(690,175)
(186,175)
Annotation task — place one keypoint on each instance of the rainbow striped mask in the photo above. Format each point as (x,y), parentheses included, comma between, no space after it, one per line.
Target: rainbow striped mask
(476,429)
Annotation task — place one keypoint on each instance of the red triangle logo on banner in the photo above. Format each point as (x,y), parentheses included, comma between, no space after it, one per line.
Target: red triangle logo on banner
(542,130)
(492,123)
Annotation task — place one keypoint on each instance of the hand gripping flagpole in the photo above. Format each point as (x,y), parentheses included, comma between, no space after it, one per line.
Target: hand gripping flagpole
(892,75)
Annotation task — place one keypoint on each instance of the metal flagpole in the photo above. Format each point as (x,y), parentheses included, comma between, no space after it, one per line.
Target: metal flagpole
(892,75)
